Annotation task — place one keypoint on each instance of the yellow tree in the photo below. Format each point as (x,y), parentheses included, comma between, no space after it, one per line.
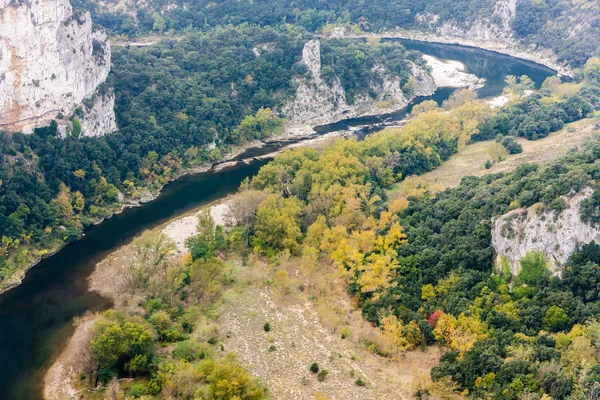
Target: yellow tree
(278,224)
(315,232)
(460,333)
(400,337)
(378,274)
(347,258)
(63,203)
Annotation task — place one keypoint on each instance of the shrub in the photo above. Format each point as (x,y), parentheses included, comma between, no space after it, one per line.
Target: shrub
(534,266)
(511,145)
(360,382)
(314,368)
(322,375)
(76,127)
(189,350)
(267,327)
(137,390)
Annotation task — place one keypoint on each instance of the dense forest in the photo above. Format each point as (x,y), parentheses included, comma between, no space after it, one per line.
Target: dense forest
(542,23)
(156,17)
(180,104)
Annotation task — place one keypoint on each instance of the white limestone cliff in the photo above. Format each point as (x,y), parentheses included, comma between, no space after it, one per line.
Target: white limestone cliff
(320,102)
(52,61)
(520,231)
(497,28)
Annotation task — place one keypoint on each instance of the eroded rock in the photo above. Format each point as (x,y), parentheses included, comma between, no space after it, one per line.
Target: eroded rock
(520,231)
(51,64)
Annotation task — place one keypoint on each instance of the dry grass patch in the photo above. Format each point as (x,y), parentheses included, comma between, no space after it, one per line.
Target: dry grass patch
(470,161)
(307,316)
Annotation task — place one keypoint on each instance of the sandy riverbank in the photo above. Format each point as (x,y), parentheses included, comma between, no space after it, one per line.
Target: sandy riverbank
(449,73)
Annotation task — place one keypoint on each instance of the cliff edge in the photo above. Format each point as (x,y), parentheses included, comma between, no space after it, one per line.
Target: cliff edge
(52,63)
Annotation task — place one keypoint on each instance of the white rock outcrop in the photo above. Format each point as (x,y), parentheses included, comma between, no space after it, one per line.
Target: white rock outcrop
(520,231)
(497,28)
(52,61)
(320,102)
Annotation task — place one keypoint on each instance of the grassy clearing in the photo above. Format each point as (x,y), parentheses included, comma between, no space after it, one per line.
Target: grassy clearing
(470,161)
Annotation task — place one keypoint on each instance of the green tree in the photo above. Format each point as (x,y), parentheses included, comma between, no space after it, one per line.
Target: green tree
(159,23)
(592,70)
(555,319)
(120,345)
(534,266)
(278,224)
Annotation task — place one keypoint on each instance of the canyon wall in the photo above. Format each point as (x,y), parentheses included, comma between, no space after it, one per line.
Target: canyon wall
(557,235)
(319,102)
(52,63)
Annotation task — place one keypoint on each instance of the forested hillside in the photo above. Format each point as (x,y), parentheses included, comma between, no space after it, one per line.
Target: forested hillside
(180,104)
(571,29)
(140,18)
(421,268)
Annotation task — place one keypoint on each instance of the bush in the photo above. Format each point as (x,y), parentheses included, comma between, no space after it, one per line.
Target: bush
(137,390)
(314,368)
(322,375)
(360,382)
(534,266)
(267,327)
(189,350)
(511,145)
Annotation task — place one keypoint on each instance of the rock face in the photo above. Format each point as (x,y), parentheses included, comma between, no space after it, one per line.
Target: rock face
(558,236)
(51,61)
(498,28)
(320,102)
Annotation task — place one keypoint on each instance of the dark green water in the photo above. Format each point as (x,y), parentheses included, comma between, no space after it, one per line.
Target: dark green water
(36,317)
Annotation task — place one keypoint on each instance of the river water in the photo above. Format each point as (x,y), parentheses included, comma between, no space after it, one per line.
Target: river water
(36,317)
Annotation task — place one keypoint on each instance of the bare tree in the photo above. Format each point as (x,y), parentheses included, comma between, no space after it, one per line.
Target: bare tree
(243,208)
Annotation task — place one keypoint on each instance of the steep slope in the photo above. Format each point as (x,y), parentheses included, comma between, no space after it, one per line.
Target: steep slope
(561,29)
(496,27)
(52,61)
(319,100)
(556,234)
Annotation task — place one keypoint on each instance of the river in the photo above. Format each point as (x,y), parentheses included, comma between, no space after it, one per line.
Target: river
(36,317)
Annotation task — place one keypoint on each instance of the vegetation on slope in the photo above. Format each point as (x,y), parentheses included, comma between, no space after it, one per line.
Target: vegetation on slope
(570,29)
(422,268)
(544,23)
(179,105)
(155,17)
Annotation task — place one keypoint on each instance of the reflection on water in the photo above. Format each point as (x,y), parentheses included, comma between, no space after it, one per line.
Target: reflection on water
(35,318)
